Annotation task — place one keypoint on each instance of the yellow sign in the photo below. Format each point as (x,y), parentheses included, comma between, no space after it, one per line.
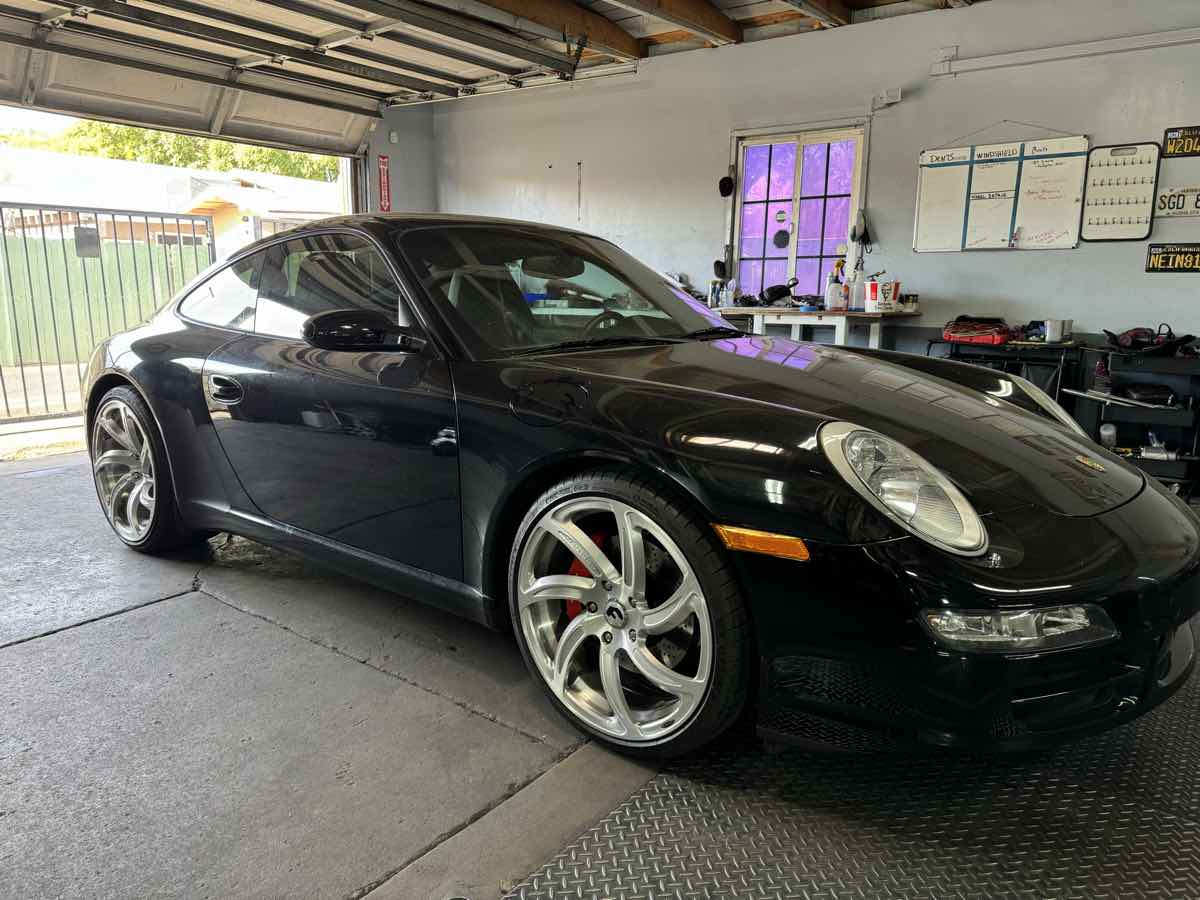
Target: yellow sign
(1173,258)
(1182,141)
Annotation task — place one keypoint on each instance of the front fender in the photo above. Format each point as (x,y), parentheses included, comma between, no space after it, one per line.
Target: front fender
(745,463)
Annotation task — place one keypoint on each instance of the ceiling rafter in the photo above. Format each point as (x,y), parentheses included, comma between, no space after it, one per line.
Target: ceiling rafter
(387,28)
(325,44)
(575,22)
(828,12)
(699,17)
(466,30)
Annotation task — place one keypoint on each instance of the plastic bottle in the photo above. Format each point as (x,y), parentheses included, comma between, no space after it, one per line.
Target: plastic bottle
(833,292)
(854,299)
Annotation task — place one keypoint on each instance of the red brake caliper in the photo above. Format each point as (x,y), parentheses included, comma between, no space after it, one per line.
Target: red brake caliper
(575,607)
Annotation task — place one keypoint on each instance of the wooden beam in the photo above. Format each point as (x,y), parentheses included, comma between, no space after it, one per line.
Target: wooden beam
(827,12)
(576,22)
(777,18)
(677,36)
(699,17)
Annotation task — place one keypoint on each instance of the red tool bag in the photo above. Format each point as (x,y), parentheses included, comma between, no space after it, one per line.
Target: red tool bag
(975,330)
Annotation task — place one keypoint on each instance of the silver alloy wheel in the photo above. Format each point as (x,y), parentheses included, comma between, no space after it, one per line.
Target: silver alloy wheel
(608,663)
(123,465)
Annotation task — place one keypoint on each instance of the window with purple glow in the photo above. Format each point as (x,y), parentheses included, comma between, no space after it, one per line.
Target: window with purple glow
(794,212)
(768,186)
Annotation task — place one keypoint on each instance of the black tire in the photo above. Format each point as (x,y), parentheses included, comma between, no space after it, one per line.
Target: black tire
(733,644)
(167,530)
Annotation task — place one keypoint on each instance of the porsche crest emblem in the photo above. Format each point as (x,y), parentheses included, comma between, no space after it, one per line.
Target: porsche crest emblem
(1089,462)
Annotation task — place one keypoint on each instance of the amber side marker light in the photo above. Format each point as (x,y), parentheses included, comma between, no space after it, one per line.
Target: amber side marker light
(752,541)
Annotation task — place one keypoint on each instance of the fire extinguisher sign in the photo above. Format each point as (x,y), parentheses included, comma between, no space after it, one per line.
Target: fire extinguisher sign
(385,185)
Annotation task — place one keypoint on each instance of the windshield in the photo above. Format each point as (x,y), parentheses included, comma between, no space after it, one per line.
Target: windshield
(507,290)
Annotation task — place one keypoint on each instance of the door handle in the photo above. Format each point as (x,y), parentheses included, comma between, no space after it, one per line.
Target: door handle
(224,389)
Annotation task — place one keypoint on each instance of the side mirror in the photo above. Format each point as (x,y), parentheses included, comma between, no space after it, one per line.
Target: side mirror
(359,330)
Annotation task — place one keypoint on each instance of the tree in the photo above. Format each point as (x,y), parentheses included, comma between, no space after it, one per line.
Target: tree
(166,148)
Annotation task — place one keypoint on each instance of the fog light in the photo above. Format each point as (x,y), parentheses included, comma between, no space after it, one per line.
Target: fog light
(1020,629)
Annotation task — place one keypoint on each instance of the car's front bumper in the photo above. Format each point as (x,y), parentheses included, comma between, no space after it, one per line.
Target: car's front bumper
(845,661)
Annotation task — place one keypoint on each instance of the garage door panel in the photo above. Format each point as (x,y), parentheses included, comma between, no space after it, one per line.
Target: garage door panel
(13,63)
(84,86)
(265,118)
(188,101)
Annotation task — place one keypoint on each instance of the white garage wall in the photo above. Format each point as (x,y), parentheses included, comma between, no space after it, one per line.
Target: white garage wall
(653,146)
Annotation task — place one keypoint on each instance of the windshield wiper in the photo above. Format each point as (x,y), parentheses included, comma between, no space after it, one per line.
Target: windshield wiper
(715,331)
(588,344)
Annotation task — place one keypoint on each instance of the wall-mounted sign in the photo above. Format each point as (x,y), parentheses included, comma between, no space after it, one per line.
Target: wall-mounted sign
(1173,258)
(87,242)
(1174,202)
(1181,141)
(385,185)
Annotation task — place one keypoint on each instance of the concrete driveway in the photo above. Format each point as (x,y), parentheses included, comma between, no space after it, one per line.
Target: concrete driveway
(238,722)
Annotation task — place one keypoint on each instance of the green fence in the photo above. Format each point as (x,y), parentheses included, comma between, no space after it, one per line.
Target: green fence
(70,278)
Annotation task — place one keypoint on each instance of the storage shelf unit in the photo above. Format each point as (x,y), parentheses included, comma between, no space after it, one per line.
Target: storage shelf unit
(1176,427)
(1167,418)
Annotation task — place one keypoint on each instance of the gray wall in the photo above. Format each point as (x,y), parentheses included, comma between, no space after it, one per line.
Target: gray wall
(653,145)
(411,160)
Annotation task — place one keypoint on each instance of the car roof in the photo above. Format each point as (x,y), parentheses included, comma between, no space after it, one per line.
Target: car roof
(407,220)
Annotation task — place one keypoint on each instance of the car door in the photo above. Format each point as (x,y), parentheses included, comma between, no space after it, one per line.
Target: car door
(358,447)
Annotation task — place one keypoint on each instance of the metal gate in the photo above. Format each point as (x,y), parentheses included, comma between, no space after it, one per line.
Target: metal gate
(69,278)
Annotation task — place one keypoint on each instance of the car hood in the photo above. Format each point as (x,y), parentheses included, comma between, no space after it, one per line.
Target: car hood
(1000,455)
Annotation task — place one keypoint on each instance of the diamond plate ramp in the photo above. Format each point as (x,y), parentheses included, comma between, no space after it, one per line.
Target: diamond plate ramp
(1113,816)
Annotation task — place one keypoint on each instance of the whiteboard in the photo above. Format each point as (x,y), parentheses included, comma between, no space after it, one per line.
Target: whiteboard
(1024,195)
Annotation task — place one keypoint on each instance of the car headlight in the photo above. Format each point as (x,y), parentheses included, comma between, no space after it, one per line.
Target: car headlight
(904,487)
(1048,404)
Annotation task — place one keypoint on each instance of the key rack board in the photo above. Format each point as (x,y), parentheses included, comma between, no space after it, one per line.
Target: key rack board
(1122,183)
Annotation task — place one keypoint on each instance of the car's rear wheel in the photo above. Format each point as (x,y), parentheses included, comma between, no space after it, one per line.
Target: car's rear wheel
(627,613)
(132,475)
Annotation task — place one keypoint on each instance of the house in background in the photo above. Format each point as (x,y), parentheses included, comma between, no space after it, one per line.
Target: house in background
(243,205)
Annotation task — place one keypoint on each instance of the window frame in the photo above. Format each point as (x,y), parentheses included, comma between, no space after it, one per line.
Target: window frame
(405,295)
(300,238)
(802,134)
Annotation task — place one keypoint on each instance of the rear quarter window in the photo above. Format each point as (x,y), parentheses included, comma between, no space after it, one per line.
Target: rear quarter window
(227,299)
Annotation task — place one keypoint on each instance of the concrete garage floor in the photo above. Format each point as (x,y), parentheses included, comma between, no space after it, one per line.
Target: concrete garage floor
(241,723)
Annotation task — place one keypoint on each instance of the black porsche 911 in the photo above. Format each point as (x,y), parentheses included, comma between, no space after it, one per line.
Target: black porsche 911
(681,523)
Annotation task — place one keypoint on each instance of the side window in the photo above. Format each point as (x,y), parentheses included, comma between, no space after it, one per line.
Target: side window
(227,298)
(315,274)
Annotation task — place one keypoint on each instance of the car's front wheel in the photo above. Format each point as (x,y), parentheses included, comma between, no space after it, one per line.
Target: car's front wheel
(132,475)
(628,614)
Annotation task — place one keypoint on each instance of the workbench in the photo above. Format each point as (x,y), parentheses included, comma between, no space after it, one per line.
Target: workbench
(799,320)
